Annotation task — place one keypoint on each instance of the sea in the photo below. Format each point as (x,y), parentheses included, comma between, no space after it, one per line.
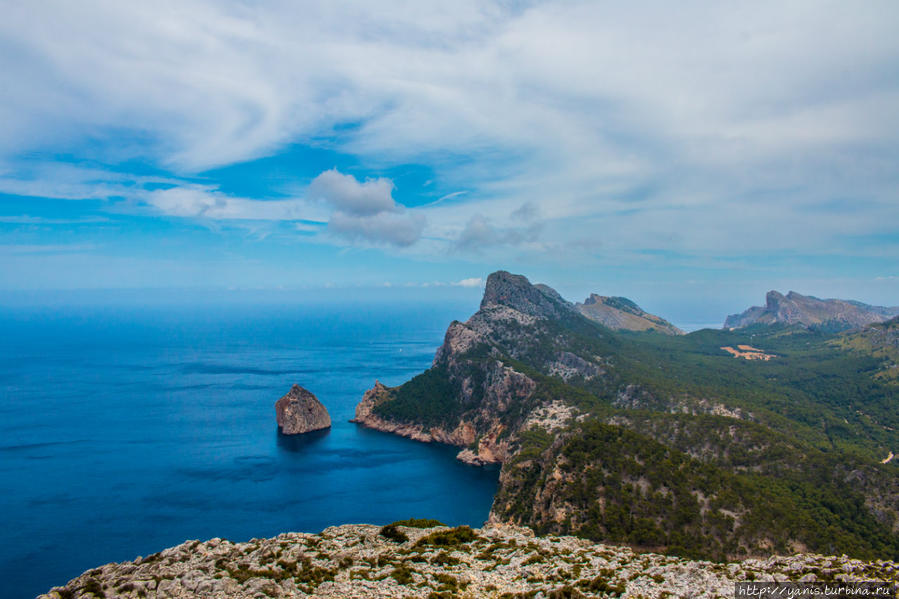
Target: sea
(125,429)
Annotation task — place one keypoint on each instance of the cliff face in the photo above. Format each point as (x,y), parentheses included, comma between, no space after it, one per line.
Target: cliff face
(299,411)
(647,440)
(808,311)
(362,561)
(620,313)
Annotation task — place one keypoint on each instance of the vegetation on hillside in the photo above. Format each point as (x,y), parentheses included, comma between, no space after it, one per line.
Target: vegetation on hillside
(682,448)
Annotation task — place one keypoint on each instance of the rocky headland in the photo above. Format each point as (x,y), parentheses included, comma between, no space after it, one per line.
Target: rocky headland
(299,411)
(808,311)
(663,442)
(437,562)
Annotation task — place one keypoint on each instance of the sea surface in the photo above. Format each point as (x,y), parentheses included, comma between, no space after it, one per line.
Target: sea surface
(124,431)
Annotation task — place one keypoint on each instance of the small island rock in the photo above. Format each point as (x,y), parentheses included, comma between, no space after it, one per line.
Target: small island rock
(300,412)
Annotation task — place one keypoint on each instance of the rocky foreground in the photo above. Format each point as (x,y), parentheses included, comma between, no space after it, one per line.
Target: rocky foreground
(441,563)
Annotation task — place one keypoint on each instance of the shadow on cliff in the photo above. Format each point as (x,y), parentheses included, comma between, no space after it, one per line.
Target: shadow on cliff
(300,443)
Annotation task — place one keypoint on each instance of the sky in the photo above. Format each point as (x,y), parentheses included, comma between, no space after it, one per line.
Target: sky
(688,155)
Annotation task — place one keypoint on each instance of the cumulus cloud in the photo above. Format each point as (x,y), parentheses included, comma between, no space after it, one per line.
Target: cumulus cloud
(393,228)
(357,211)
(350,196)
(366,210)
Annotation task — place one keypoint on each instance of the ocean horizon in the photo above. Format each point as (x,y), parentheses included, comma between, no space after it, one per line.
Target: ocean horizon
(126,431)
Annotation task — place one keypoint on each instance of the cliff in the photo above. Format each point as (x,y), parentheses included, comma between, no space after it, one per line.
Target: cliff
(400,561)
(805,310)
(663,442)
(299,411)
(620,313)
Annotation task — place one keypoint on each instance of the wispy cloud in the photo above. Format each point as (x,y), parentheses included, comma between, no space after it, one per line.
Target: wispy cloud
(575,129)
(205,201)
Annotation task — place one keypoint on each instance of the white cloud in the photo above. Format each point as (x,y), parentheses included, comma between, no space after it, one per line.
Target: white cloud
(204,201)
(366,211)
(472,282)
(355,211)
(393,228)
(680,127)
(350,196)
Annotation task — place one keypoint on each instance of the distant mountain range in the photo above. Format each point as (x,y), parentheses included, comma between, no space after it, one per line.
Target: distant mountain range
(672,443)
(809,311)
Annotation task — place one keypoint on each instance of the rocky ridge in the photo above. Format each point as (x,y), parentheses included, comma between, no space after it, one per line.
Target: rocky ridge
(620,313)
(808,311)
(399,561)
(606,436)
(299,411)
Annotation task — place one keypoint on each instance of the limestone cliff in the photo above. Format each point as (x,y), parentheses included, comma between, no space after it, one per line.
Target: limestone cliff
(299,411)
(796,309)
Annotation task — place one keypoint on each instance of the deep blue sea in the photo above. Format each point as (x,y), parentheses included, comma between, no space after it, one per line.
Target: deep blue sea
(124,431)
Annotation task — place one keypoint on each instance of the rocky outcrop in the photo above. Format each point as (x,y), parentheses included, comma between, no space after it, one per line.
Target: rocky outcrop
(300,412)
(356,561)
(516,292)
(796,309)
(620,313)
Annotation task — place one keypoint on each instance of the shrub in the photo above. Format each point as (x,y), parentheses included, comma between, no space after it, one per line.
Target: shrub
(392,533)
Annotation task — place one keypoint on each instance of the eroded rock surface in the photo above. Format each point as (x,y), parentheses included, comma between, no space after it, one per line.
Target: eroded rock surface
(353,561)
(301,412)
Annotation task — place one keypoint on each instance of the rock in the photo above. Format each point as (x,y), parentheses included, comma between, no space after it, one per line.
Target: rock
(806,310)
(300,412)
(621,313)
(496,561)
(516,292)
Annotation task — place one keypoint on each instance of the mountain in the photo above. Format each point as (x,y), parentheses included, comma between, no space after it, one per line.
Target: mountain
(621,313)
(423,559)
(809,311)
(662,442)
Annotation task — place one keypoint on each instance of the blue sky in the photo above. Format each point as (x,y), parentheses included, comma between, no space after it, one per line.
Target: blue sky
(689,156)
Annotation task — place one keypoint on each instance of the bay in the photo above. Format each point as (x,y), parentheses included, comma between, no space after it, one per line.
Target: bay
(124,431)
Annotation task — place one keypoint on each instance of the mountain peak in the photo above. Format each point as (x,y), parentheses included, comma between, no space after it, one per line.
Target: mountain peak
(622,313)
(515,291)
(810,311)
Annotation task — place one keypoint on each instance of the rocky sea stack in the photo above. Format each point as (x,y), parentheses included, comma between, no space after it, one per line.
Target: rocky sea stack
(300,412)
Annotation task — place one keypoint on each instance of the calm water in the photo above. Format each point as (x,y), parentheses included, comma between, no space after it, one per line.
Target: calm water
(124,432)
